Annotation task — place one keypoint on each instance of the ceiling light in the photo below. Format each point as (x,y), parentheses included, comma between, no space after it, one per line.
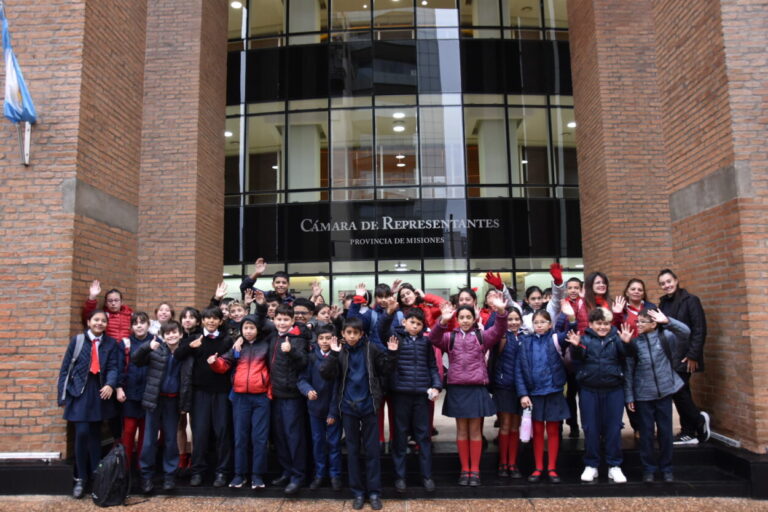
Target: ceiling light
(365,6)
(398,126)
(399,115)
(572,124)
(275,167)
(400,164)
(236,5)
(401,267)
(400,156)
(524,162)
(580,265)
(424,2)
(228,133)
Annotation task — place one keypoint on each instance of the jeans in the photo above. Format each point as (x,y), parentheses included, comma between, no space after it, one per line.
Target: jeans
(411,416)
(251,413)
(326,447)
(363,430)
(601,414)
(289,435)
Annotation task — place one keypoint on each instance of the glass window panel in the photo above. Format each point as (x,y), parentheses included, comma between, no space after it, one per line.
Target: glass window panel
(351,194)
(533,263)
(352,148)
(488,192)
(567,192)
(480,33)
(307,16)
(442,146)
(558,100)
(397,193)
(438,33)
(233,288)
(442,192)
(485,138)
(353,266)
(521,13)
(537,192)
(351,14)
(564,142)
(394,34)
(393,13)
(525,279)
(572,263)
(399,265)
(266,17)
(302,285)
(555,13)
(405,277)
(232,150)
(232,270)
(436,13)
(524,33)
(315,267)
(268,42)
(440,99)
(526,99)
(480,13)
(529,145)
(343,285)
(351,101)
(236,46)
(262,198)
(444,264)
(266,107)
(312,104)
(396,146)
(347,37)
(265,152)
(437,67)
(444,285)
(490,264)
(307,150)
(390,100)
(484,99)
(236,15)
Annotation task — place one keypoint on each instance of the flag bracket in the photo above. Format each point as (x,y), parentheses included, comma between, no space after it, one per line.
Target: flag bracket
(25,139)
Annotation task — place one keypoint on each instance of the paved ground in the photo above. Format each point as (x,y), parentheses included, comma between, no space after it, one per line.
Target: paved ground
(174,504)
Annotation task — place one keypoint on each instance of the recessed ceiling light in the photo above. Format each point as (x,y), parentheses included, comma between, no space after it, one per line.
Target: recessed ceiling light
(228,133)
(275,167)
(572,124)
(524,162)
(400,164)
(400,156)
(236,5)
(398,126)
(365,6)
(424,2)
(399,115)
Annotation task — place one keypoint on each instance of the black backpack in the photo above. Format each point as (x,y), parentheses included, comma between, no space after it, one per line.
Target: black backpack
(112,480)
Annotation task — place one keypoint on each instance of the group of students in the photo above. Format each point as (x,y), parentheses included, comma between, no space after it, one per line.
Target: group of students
(296,371)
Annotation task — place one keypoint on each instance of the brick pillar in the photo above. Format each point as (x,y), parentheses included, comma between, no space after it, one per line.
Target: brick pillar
(622,177)
(71,216)
(181,205)
(712,80)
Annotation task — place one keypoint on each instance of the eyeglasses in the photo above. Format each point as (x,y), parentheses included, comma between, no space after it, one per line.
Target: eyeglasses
(114,301)
(644,321)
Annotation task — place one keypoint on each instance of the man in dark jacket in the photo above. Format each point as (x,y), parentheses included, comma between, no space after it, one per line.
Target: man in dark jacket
(677,303)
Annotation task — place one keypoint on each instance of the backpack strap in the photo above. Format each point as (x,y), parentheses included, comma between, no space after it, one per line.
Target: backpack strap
(479,336)
(453,340)
(79,342)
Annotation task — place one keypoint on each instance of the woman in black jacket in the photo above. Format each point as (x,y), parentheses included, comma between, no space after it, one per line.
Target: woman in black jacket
(677,303)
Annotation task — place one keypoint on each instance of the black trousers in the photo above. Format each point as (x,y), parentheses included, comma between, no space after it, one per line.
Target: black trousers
(690,415)
(363,431)
(412,413)
(211,412)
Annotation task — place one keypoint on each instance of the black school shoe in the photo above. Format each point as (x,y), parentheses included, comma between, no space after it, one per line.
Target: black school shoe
(78,491)
(429,485)
(358,502)
(146,485)
(196,480)
(464,478)
(169,483)
(220,480)
(375,500)
(281,481)
(315,484)
(336,483)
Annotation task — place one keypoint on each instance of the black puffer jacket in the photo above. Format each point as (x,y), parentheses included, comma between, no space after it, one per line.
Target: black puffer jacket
(157,360)
(416,369)
(603,360)
(686,308)
(285,367)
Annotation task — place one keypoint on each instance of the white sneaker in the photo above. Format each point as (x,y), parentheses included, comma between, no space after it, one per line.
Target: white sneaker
(616,476)
(706,432)
(589,474)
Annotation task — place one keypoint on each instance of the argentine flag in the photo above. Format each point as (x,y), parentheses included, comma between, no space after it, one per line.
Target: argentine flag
(18,103)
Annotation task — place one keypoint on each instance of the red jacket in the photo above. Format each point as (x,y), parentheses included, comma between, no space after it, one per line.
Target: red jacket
(251,372)
(119,325)
(431,308)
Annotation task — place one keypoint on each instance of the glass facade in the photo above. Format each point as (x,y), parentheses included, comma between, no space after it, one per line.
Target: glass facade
(427,141)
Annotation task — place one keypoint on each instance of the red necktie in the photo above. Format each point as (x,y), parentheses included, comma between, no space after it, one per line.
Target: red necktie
(95,368)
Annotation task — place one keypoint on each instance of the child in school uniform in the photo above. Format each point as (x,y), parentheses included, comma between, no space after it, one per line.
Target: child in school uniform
(191,329)
(502,367)
(250,401)
(356,366)
(161,401)
(131,387)
(601,354)
(324,420)
(467,398)
(86,384)
(539,380)
(650,383)
(211,409)
(414,384)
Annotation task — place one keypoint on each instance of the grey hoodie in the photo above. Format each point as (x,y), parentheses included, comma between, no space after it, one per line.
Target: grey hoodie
(649,374)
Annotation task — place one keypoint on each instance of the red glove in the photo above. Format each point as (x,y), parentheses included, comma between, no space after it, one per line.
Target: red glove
(494,280)
(556,271)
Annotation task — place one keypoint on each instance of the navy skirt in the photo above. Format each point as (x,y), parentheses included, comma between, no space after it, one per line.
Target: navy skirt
(89,406)
(506,400)
(468,402)
(551,407)
(133,409)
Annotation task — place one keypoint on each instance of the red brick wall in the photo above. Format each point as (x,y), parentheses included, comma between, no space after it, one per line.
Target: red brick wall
(622,177)
(182,163)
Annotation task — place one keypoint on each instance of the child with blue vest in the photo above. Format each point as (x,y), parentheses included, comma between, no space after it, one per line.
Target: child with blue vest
(539,380)
(414,384)
(87,380)
(324,420)
(356,366)
(502,368)
(650,383)
(162,402)
(251,386)
(131,386)
(601,354)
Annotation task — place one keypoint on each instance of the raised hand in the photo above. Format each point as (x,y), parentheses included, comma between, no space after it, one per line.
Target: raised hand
(396,286)
(573,338)
(335,345)
(556,271)
(221,290)
(196,343)
(95,290)
(285,346)
(317,290)
(499,304)
(248,297)
(260,266)
(446,312)
(619,303)
(335,311)
(212,358)
(567,309)
(494,293)
(658,317)
(238,344)
(420,293)
(391,305)
(625,333)
(258,297)
(154,344)
(312,395)
(494,280)
(393,343)
(360,289)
